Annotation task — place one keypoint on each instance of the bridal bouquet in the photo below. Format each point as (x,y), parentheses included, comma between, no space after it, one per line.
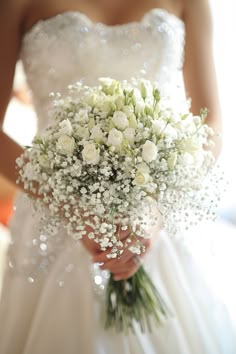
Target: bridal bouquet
(111,155)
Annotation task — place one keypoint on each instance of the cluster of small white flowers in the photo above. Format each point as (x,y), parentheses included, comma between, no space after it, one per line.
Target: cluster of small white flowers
(110,151)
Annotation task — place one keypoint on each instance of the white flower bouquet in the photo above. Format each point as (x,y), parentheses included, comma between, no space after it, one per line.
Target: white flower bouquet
(112,153)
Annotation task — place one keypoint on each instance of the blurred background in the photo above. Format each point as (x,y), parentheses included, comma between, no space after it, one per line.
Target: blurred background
(225,59)
(217,254)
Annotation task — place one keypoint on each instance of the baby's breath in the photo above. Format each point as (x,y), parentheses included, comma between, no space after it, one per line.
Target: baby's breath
(115,152)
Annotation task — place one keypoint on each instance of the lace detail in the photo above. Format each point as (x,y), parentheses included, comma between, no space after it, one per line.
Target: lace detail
(70,47)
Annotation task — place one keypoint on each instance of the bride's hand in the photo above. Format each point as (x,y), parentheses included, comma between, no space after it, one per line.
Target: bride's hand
(125,266)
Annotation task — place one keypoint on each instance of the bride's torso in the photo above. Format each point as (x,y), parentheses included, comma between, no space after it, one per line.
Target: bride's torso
(69,47)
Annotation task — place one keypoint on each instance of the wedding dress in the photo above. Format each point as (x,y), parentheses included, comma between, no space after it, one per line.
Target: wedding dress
(52,298)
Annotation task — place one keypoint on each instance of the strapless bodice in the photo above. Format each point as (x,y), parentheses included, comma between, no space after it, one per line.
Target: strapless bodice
(69,47)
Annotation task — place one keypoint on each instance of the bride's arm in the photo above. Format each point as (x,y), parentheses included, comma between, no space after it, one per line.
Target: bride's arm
(10,37)
(199,69)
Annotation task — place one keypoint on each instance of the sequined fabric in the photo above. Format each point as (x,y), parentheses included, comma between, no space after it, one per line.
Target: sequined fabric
(69,47)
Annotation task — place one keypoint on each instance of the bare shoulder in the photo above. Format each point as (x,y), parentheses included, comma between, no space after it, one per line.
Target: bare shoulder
(197,13)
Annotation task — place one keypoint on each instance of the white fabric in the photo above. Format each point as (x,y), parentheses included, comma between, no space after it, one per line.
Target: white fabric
(58,309)
(4,240)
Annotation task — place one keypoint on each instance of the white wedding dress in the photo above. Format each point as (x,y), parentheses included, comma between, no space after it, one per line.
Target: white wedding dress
(52,297)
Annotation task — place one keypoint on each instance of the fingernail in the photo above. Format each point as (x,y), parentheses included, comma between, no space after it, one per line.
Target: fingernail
(100,264)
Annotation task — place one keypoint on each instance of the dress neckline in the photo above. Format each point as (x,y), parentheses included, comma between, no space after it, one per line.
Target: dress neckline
(157,10)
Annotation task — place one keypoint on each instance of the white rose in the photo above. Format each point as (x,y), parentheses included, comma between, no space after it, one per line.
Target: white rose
(197,120)
(43,161)
(82,116)
(128,111)
(91,154)
(191,145)
(65,127)
(109,86)
(66,144)
(105,105)
(129,134)
(187,125)
(149,152)
(115,138)
(120,120)
(142,167)
(97,133)
(119,103)
(175,117)
(92,99)
(91,123)
(158,126)
(141,178)
(81,132)
(170,132)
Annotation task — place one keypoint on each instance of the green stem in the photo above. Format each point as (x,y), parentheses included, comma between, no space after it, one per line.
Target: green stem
(136,300)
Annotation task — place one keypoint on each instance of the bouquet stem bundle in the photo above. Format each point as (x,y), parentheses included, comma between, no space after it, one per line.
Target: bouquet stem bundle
(134,300)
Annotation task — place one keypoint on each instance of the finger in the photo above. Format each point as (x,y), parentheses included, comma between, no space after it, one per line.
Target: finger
(125,275)
(126,256)
(123,234)
(115,269)
(101,257)
(122,268)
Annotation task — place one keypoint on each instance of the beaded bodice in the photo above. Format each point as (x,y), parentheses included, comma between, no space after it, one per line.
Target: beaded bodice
(64,49)
(69,47)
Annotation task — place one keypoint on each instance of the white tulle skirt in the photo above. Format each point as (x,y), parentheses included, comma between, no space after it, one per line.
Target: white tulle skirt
(61,311)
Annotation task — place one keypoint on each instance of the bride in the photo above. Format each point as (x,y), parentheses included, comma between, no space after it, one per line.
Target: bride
(52,302)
